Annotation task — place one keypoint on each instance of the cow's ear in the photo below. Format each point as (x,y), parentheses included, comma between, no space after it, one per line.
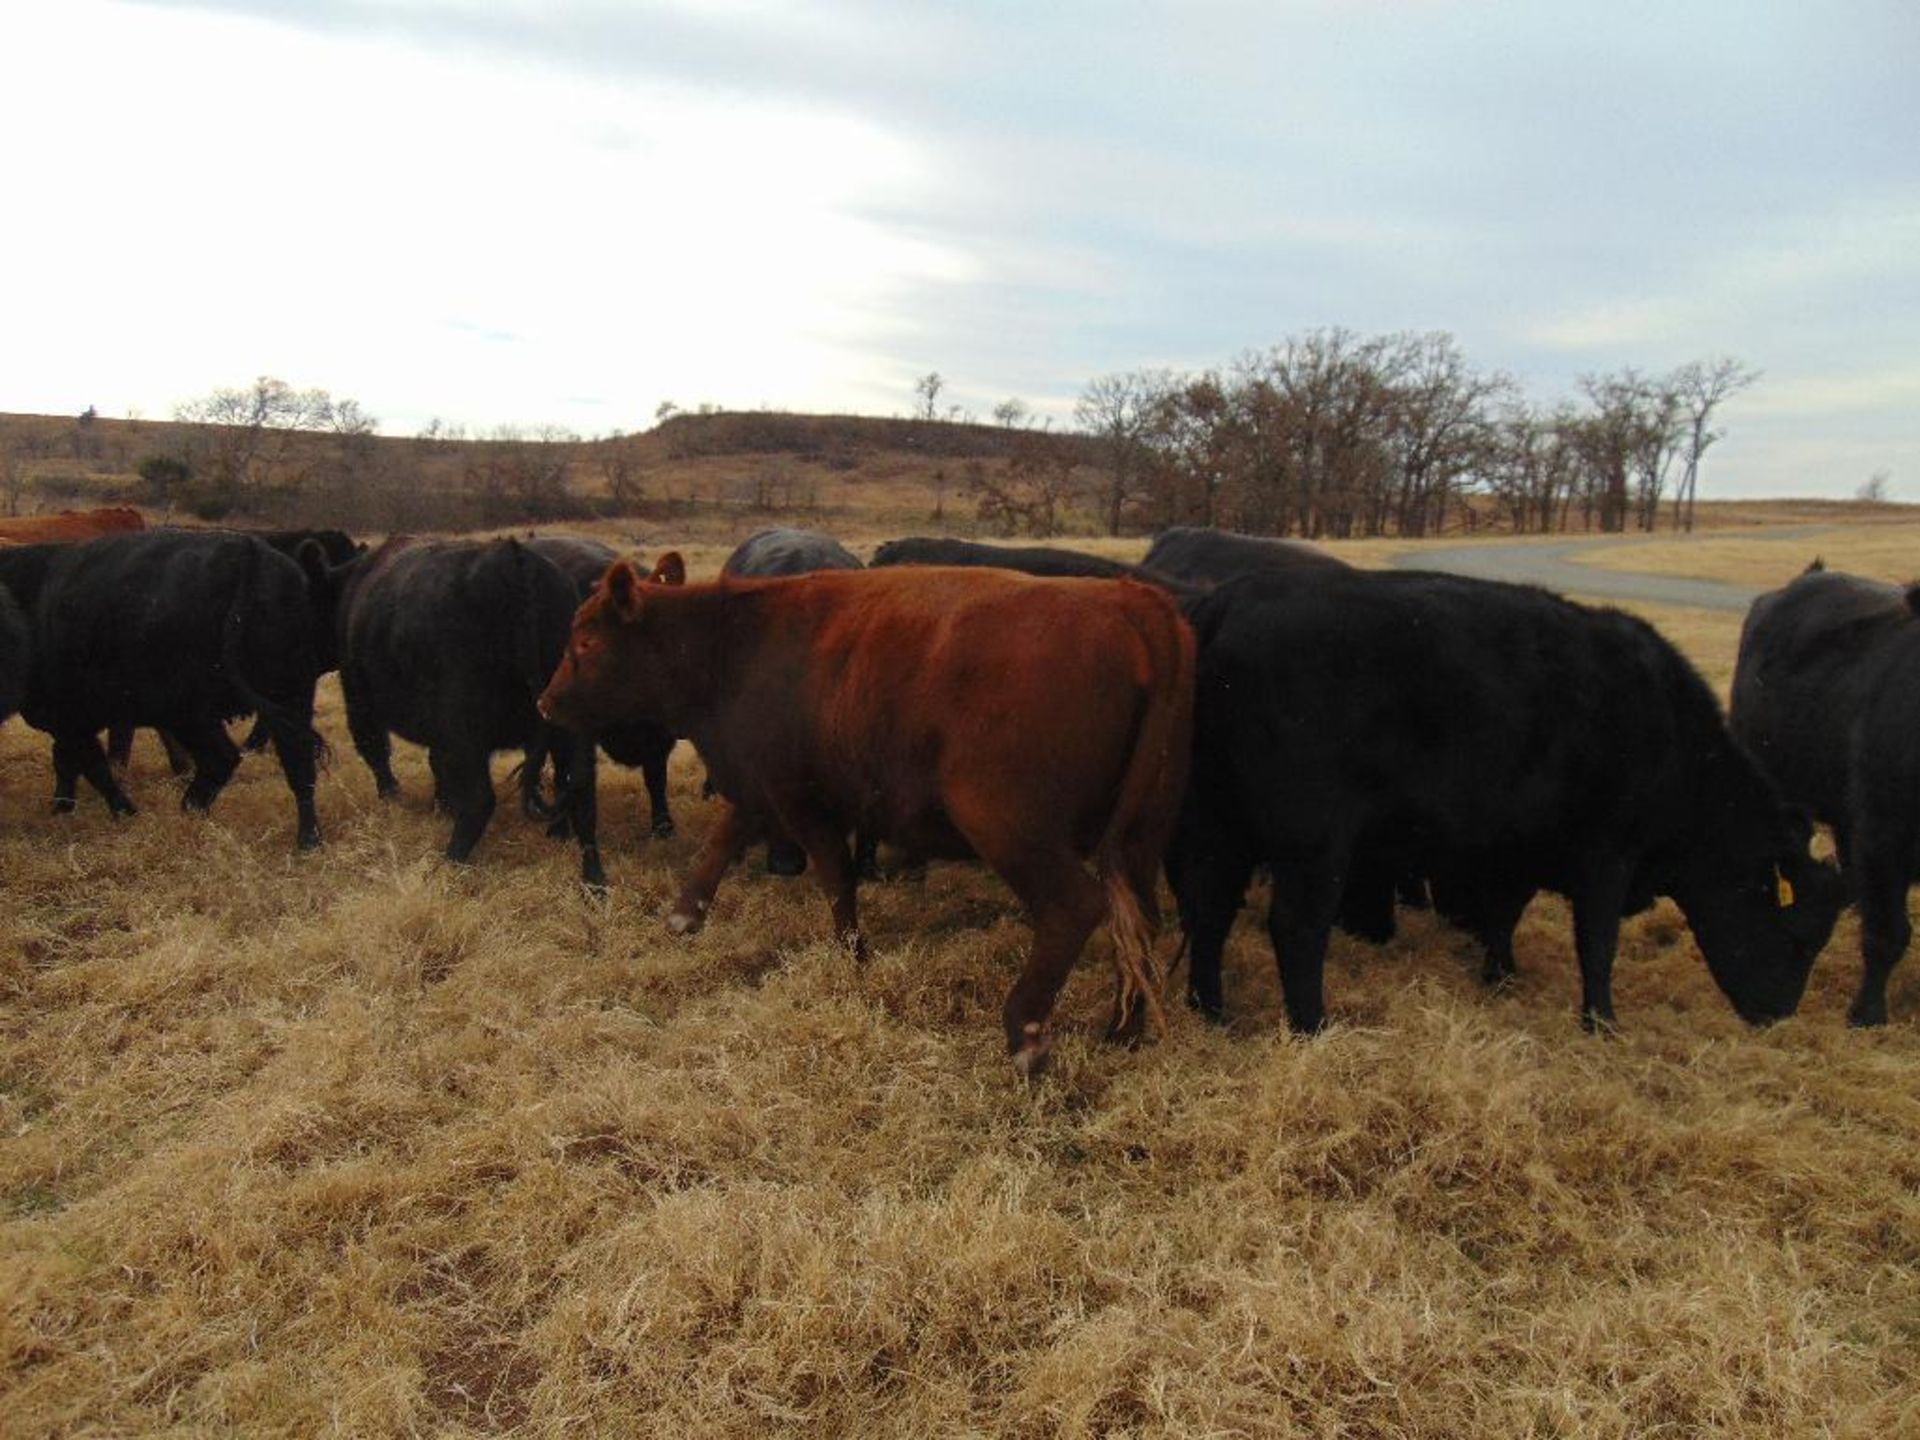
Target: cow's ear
(669,569)
(623,584)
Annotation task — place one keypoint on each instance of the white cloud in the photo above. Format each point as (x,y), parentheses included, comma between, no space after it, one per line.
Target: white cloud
(228,198)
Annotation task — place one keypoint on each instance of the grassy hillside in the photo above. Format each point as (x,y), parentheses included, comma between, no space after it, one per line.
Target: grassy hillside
(714,477)
(363,1143)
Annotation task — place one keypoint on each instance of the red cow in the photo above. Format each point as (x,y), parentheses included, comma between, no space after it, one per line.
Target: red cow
(1035,724)
(69,525)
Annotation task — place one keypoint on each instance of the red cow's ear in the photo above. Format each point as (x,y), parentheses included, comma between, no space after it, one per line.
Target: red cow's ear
(669,569)
(622,584)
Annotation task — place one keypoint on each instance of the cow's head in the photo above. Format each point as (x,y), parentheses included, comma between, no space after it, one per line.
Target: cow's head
(1762,925)
(603,675)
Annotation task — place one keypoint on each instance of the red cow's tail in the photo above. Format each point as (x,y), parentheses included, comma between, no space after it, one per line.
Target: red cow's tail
(1150,792)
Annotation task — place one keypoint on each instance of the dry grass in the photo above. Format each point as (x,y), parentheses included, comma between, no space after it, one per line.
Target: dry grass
(364,1144)
(1888,551)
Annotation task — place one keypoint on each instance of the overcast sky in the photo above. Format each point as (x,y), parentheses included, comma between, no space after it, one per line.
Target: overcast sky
(568,211)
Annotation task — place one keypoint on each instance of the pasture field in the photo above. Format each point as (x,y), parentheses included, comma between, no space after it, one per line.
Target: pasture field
(1888,551)
(361,1143)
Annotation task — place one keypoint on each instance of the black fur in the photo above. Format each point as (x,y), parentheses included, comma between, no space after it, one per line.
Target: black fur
(448,644)
(1826,695)
(177,630)
(1486,729)
(640,745)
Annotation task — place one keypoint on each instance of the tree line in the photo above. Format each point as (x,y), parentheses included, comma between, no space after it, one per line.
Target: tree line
(1333,434)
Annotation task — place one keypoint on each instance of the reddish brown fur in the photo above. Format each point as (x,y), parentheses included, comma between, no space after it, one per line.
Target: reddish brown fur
(70,525)
(1037,724)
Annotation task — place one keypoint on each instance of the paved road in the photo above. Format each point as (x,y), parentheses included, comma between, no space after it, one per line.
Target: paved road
(1552,564)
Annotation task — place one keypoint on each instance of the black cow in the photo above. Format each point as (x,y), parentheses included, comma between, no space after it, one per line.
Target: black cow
(337,547)
(640,745)
(181,631)
(768,554)
(783,551)
(13,654)
(1212,557)
(447,643)
(1041,560)
(1826,696)
(1469,725)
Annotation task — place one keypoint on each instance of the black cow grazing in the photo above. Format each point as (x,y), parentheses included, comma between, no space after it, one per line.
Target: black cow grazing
(640,746)
(181,631)
(1212,557)
(1826,696)
(13,654)
(769,554)
(447,643)
(783,551)
(1493,728)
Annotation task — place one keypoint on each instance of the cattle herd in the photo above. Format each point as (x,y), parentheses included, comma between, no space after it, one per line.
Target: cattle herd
(1230,706)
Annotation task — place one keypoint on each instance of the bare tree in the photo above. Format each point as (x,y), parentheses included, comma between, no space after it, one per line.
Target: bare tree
(1874,490)
(1120,411)
(1699,387)
(928,388)
(242,443)
(1012,413)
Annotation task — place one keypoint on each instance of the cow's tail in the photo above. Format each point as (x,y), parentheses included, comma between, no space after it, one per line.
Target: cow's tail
(233,631)
(1156,771)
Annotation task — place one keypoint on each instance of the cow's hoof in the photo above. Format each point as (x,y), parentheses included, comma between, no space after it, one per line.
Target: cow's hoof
(1030,1060)
(1867,1015)
(63,805)
(309,840)
(663,829)
(684,922)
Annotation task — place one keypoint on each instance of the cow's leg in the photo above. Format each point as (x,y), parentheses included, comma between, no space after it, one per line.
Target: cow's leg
(532,804)
(445,786)
(1306,897)
(368,727)
(866,855)
(1209,869)
(576,761)
(179,758)
(1598,898)
(1065,904)
(468,790)
(833,870)
(258,738)
(79,753)
(731,835)
(1496,916)
(120,748)
(653,771)
(215,758)
(294,746)
(1884,928)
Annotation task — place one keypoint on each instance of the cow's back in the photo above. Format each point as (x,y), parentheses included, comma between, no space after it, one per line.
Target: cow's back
(1046,561)
(1211,557)
(447,635)
(70,525)
(1810,655)
(879,679)
(786,551)
(145,626)
(1466,712)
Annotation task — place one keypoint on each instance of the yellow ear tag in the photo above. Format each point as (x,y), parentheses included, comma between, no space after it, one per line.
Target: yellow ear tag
(1784,888)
